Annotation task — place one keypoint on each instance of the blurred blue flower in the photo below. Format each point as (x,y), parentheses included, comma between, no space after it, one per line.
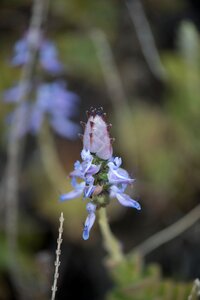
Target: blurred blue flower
(52,100)
(47,52)
(13,94)
(49,58)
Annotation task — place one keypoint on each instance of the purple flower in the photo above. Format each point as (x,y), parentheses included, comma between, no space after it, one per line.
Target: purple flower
(47,51)
(91,170)
(84,171)
(86,168)
(123,199)
(52,100)
(13,94)
(119,179)
(49,58)
(118,175)
(91,208)
(78,190)
(60,105)
(21,53)
(103,178)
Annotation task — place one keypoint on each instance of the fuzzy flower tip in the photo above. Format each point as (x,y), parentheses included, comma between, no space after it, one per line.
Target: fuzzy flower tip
(99,176)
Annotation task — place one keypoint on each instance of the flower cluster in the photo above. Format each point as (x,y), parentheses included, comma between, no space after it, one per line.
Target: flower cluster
(98,179)
(47,51)
(51,99)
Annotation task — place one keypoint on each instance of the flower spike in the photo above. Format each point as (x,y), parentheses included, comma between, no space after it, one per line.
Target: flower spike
(101,173)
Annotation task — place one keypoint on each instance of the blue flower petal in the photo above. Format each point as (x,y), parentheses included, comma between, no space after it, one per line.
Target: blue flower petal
(49,58)
(125,200)
(86,155)
(79,188)
(88,191)
(89,221)
(119,176)
(65,127)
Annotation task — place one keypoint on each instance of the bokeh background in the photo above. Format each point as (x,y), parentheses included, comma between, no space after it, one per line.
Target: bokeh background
(141,62)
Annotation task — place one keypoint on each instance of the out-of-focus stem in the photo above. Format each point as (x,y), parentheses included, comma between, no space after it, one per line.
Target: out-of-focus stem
(111,244)
(15,144)
(146,39)
(169,233)
(110,72)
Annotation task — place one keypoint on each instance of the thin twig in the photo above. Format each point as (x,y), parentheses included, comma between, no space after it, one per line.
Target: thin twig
(57,261)
(145,37)
(15,144)
(169,233)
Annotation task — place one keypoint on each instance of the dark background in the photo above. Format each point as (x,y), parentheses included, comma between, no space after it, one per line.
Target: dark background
(158,141)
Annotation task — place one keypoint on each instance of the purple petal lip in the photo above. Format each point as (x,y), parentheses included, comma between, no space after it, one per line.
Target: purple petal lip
(125,200)
(93,169)
(86,155)
(49,58)
(14,93)
(85,233)
(91,207)
(79,188)
(119,176)
(71,195)
(88,191)
(89,221)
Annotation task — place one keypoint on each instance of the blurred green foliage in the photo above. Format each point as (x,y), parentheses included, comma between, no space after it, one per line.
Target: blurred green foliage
(78,54)
(89,13)
(172,135)
(162,141)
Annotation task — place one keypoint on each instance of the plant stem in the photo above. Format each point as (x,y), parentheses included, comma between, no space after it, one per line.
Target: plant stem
(111,244)
(16,144)
(164,236)
(58,252)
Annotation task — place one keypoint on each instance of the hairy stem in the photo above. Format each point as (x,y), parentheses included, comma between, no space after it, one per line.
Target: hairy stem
(57,261)
(111,244)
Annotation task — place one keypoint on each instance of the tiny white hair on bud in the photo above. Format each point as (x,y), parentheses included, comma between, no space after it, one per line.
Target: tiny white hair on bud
(57,261)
